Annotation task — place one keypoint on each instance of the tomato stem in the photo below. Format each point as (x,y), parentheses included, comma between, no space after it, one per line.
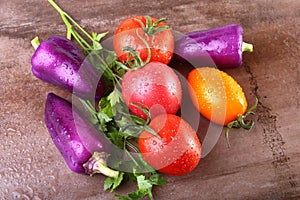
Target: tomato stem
(137,60)
(147,46)
(143,108)
(129,154)
(146,122)
(240,122)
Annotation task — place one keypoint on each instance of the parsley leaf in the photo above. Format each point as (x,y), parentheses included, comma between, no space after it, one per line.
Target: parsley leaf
(96,40)
(112,183)
(114,97)
(145,186)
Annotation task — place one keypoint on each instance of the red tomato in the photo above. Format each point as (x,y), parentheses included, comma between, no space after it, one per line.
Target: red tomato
(155,87)
(161,44)
(177,152)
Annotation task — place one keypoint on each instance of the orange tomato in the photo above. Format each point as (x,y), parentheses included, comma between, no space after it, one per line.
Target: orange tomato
(216,95)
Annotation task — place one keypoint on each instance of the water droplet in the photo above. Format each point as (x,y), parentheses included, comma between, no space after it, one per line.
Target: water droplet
(25,197)
(172,138)
(11,130)
(15,195)
(64,65)
(36,198)
(29,190)
(53,189)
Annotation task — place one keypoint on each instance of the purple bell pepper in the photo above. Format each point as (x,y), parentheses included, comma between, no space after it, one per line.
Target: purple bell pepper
(58,61)
(222,47)
(83,148)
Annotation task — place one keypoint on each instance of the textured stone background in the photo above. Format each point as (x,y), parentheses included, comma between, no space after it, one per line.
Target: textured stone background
(261,164)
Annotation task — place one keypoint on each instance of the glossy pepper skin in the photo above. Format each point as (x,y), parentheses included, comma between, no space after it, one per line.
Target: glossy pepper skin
(74,137)
(58,61)
(221,47)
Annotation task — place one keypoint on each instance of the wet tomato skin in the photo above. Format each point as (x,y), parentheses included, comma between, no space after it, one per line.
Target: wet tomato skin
(161,44)
(216,95)
(155,87)
(178,150)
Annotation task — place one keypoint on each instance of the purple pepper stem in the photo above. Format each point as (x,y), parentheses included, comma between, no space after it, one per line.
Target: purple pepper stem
(97,165)
(35,42)
(247,47)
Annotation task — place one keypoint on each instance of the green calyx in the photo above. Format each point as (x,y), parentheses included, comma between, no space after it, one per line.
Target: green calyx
(151,28)
(134,61)
(240,121)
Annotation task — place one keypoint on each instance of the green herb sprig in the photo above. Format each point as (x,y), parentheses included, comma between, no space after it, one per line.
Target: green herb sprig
(112,117)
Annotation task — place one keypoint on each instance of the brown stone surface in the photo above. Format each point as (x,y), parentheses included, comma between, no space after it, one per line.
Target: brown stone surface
(261,164)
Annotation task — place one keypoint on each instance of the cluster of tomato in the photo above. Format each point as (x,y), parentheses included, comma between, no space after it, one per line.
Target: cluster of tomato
(155,86)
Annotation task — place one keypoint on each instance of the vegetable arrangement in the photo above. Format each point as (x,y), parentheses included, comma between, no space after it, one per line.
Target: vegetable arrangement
(134,130)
